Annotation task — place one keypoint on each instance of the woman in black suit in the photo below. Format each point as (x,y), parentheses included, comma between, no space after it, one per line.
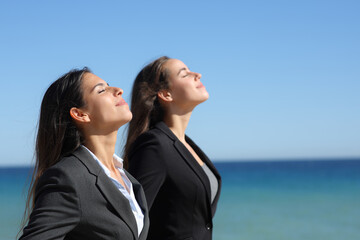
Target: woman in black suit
(181,184)
(79,188)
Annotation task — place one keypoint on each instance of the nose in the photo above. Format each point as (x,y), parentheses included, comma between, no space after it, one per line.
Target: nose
(197,76)
(118,91)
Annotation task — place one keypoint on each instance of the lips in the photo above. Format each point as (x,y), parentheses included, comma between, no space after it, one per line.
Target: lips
(121,102)
(200,86)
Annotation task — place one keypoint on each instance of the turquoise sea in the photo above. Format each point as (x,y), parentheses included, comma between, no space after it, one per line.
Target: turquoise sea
(270,200)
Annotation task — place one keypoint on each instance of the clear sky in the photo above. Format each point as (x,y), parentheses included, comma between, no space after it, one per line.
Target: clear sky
(283,76)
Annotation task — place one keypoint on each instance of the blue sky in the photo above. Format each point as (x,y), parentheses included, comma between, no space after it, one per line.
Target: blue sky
(283,76)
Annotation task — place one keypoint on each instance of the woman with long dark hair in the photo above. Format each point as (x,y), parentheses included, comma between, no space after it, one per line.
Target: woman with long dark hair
(181,184)
(79,187)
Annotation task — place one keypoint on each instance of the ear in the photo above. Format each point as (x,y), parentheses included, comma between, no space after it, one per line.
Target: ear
(165,95)
(79,115)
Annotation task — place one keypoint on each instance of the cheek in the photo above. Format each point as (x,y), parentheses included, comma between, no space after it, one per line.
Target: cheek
(182,90)
(98,110)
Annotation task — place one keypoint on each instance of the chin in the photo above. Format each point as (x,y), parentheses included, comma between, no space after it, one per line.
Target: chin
(124,119)
(201,100)
(129,119)
(127,116)
(206,96)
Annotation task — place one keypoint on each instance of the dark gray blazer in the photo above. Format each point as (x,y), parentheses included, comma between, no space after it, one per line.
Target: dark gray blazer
(176,187)
(75,199)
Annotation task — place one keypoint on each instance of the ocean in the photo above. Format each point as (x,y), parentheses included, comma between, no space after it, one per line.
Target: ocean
(269,200)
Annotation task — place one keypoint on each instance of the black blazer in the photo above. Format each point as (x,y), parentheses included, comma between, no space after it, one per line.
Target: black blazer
(75,199)
(176,187)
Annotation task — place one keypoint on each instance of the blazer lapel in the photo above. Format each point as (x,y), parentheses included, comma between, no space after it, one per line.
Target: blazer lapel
(118,201)
(188,157)
(211,166)
(141,199)
(108,189)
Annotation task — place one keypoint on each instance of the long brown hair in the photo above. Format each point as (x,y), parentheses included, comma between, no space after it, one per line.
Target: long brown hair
(57,135)
(145,106)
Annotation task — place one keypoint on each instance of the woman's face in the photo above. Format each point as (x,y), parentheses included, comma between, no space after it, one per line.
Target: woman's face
(104,104)
(186,89)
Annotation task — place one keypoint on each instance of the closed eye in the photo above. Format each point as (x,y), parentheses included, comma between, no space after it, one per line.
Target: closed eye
(100,87)
(102,90)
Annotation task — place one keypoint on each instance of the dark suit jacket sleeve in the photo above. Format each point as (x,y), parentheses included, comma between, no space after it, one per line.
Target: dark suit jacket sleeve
(146,165)
(56,211)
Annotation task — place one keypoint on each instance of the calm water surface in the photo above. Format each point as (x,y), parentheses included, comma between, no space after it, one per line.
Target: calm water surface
(294,200)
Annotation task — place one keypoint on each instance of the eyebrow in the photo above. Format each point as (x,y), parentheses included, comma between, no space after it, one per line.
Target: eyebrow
(181,70)
(97,85)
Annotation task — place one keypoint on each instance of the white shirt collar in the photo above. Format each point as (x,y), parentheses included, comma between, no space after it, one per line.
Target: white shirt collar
(118,161)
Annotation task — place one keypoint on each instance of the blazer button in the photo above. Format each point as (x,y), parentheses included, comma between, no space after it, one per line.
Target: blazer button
(208,226)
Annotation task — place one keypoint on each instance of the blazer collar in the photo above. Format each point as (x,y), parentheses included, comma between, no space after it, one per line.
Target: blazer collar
(109,190)
(188,157)
(141,199)
(164,128)
(211,166)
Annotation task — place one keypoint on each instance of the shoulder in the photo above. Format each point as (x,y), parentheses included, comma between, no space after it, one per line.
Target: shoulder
(70,164)
(69,171)
(153,134)
(150,151)
(152,138)
(160,132)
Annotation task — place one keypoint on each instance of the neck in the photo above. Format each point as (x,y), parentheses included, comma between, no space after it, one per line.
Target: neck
(178,124)
(103,146)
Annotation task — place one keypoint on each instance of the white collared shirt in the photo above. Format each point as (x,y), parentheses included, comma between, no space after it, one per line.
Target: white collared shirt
(135,208)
